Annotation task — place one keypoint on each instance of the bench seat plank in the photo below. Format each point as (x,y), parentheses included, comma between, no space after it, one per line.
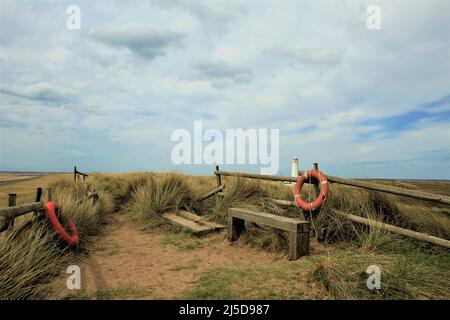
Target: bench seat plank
(271,220)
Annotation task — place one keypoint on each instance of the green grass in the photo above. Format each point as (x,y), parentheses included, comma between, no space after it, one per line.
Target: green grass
(340,273)
(159,194)
(282,281)
(408,272)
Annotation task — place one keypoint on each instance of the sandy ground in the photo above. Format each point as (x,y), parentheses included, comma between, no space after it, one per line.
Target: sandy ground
(125,255)
(16,177)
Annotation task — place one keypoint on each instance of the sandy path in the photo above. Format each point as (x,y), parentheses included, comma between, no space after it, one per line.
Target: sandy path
(125,256)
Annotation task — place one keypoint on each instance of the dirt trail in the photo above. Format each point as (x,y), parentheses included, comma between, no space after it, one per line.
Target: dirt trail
(125,256)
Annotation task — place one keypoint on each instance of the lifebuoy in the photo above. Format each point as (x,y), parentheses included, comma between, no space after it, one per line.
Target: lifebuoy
(324,186)
(50,212)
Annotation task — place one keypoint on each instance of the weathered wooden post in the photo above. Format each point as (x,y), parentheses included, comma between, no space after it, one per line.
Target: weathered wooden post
(38,199)
(38,194)
(5,223)
(75,173)
(218,178)
(12,199)
(316,186)
(11,203)
(49,194)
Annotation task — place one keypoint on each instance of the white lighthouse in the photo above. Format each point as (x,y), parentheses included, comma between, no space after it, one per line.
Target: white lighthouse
(294,167)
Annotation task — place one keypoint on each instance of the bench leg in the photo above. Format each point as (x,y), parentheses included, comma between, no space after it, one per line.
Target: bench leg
(298,245)
(235,227)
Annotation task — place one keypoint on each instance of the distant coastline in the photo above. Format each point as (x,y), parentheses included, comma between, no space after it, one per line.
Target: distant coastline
(39,173)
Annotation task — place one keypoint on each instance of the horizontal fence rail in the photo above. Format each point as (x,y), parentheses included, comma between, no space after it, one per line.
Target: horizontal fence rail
(393,190)
(350,182)
(13,212)
(211,193)
(404,232)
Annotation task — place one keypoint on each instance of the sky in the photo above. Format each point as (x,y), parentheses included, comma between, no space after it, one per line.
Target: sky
(366,103)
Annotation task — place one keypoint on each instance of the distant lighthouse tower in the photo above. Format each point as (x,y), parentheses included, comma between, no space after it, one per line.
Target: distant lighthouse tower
(294,167)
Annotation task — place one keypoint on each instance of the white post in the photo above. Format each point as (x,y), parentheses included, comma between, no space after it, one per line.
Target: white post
(294,166)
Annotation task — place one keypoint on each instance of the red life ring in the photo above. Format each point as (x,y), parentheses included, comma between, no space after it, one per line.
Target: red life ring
(324,186)
(50,212)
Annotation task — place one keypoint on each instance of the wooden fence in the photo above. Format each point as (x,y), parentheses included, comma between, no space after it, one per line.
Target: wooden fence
(13,211)
(77,175)
(8,214)
(349,182)
(355,183)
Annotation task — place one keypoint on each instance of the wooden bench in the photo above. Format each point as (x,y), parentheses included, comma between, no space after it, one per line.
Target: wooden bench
(298,229)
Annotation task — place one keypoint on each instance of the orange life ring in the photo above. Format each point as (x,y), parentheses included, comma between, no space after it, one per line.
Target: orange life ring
(324,186)
(50,212)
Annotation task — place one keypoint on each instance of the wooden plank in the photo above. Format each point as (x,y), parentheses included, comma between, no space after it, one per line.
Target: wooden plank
(394,229)
(211,193)
(16,211)
(283,223)
(255,176)
(183,222)
(201,220)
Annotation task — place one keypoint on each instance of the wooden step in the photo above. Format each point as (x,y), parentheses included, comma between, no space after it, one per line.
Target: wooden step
(189,224)
(201,220)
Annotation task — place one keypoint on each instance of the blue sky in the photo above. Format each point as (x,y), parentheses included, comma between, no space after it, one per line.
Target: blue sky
(360,102)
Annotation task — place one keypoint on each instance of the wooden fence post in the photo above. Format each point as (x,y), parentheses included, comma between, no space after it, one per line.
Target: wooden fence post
(38,194)
(49,194)
(218,178)
(316,186)
(38,198)
(11,203)
(12,199)
(75,173)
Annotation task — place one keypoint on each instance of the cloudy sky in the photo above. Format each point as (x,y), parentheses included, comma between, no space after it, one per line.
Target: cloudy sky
(106,97)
